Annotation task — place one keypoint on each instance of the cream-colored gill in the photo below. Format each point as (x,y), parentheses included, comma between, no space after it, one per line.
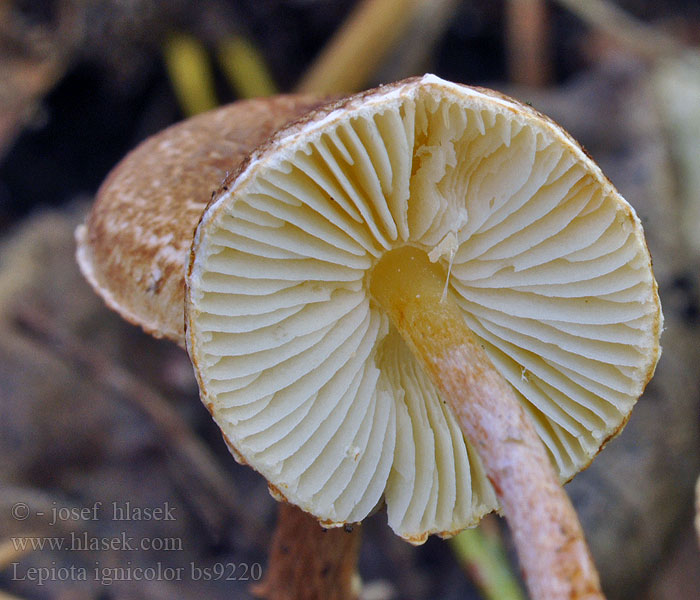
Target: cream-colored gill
(304,372)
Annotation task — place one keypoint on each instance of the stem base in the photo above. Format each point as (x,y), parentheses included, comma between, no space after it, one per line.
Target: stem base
(308,562)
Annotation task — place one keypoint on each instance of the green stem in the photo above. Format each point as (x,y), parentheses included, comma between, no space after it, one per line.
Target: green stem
(481,554)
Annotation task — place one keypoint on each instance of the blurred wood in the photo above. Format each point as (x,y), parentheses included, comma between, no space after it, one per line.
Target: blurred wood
(358,47)
(205,484)
(6,596)
(528,42)
(676,84)
(9,553)
(39,517)
(644,40)
(413,53)
(308,562)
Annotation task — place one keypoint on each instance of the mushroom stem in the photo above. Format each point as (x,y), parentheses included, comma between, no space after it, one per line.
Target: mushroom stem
(308,562)
(554,558)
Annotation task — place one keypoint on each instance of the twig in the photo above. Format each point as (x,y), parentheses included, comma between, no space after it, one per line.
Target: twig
(190,73)
(357,49)
(245,68)
(413,53)
(642,39)
(527,42)
(191,455)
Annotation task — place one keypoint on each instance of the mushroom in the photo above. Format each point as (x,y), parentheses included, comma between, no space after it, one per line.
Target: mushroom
(133,250)
(425,296)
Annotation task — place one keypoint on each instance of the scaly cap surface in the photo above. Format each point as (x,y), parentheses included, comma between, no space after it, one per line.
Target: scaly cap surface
(134,246)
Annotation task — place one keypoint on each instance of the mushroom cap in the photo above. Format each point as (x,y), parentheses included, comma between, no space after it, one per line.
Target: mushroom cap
(134,246)
(303,372)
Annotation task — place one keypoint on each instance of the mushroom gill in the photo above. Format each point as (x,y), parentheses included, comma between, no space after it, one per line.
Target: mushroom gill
(305,374)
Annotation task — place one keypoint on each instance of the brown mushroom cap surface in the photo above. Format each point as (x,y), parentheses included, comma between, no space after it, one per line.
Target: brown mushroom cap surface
(305,375)
(135,244)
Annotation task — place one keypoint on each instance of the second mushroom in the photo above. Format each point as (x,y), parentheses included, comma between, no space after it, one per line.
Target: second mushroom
(425,296)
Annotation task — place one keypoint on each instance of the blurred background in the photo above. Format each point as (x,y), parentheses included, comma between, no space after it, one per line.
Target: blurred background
(94,412)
